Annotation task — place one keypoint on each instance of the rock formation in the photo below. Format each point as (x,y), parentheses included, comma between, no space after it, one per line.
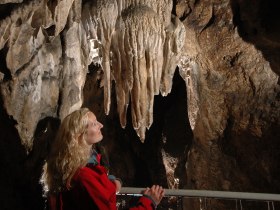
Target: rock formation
(128,59)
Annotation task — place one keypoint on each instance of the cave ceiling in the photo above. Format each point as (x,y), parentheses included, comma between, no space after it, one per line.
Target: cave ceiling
(226,53)
(230,70)
(49,45)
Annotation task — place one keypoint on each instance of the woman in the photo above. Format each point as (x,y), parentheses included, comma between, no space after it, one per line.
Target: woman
(73,177)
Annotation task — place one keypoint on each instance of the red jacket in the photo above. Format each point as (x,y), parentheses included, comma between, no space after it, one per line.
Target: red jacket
(92,190)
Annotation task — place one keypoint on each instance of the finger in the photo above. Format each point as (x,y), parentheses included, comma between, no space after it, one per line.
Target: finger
(146,190)
(156,188)
(159,189)
(162,193)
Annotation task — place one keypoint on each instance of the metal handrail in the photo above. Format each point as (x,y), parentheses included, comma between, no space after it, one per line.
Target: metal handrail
(207,194)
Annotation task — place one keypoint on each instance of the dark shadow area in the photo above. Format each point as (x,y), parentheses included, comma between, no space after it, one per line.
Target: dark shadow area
(43,137)
(3,66)
(5,10)
(20,172)
(258,158)
(170,131)
(141,164)
(13,155)
(229,204)
(259,23)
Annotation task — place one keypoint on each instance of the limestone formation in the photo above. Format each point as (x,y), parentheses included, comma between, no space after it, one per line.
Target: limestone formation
(41,70)
(137,44)
(227,53)
(145,45)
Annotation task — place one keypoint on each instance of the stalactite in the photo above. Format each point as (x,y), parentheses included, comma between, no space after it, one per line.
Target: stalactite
(145,43)
(175,38)
(36,78)
(100,20)
(139,41)
(106,19)
(189,71)
(62,8)
(162,8)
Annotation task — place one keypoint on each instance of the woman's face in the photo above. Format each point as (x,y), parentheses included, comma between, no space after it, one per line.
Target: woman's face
(94,134)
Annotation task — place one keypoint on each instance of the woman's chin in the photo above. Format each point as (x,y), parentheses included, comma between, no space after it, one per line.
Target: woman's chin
(101,137)
(96,140)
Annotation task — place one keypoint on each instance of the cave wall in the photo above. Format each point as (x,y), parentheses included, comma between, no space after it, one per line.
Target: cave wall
(217,129)
(236,85)
(237,76)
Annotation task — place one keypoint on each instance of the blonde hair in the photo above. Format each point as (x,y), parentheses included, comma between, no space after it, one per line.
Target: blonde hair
(68,153)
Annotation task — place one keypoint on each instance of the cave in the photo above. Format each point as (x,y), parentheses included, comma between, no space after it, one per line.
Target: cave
(187,91)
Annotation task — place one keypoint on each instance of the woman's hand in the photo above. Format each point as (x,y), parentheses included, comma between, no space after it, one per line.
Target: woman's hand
(156,192)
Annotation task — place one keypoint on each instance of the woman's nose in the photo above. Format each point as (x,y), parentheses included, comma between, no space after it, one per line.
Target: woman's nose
(100,125)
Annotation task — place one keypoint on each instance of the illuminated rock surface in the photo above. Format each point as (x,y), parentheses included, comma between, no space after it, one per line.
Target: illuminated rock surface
(217,126)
